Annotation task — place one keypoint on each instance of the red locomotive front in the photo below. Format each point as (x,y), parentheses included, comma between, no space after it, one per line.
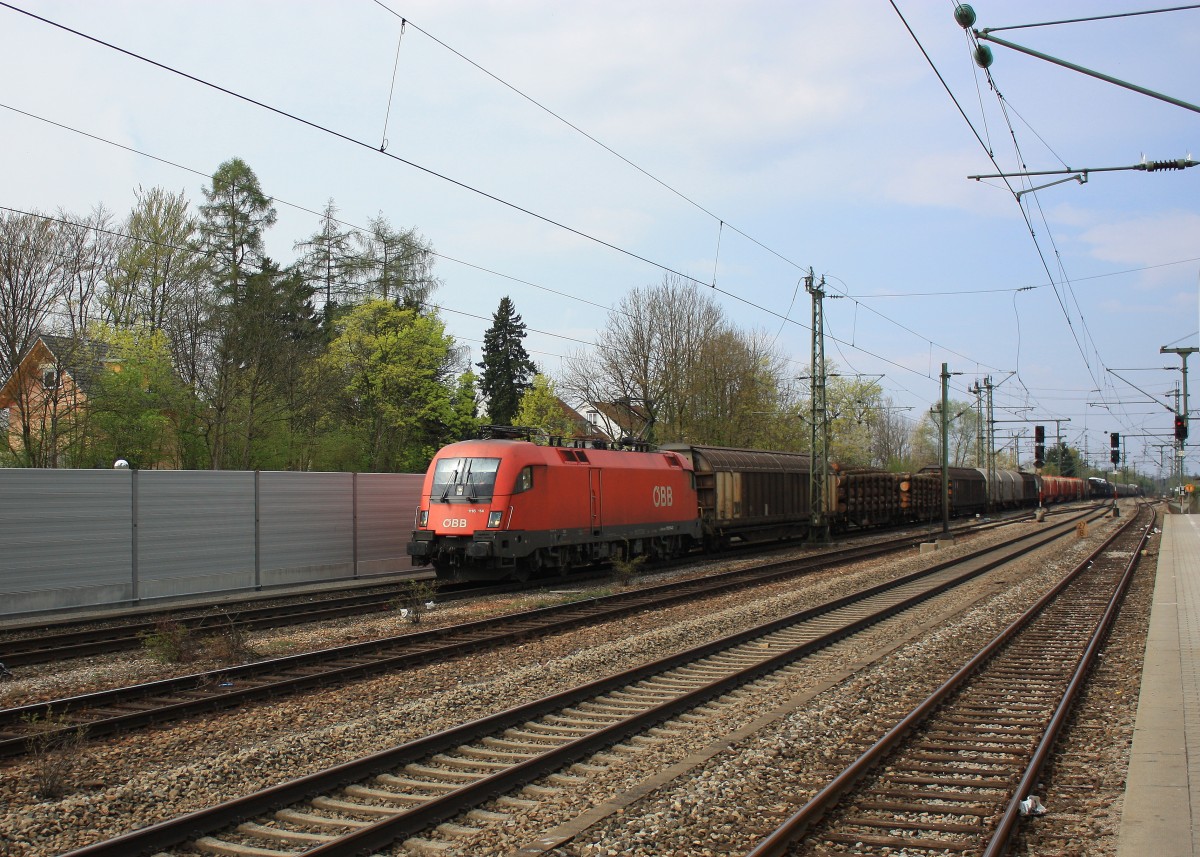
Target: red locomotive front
(499,508)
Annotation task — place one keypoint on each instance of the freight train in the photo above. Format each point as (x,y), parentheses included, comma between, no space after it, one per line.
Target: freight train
(498,508)
(1099,489)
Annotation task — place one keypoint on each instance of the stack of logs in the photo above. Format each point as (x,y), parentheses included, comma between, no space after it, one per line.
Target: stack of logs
(869,498)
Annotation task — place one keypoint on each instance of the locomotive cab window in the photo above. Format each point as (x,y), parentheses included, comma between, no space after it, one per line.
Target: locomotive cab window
(524,480)
(464,480)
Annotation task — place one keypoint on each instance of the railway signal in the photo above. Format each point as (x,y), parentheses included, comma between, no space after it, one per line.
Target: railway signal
(1114,453)
(1181,427)
(1039,446)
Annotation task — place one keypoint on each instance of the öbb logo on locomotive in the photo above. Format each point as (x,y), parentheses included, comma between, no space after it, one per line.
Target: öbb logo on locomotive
(663,495)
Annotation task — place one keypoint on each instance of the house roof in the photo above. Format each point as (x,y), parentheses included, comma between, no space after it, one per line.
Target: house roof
(82,359)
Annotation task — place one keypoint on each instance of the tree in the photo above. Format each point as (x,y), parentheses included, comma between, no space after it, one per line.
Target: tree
(400,398)
(137,407)
(1062,460)
(927,437)
(853,406)
(269,340)
(33,261)
(329,262)
(48,271)
(669,352)
(541,409)
(232,221)
(159,271)
(891,437)
(507,369)
(92,249)
(395,265)
(733,391)
(649,345)
(464,408)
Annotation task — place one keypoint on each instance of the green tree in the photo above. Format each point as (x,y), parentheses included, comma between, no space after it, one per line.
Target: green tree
(1062,460)
(507,369)
(233,218)
(400,397)
(137,407)
(541,409)
(732,392)
(464,408)
(155,271)
(269,340)
(232,221)
(160,279)
(854,415)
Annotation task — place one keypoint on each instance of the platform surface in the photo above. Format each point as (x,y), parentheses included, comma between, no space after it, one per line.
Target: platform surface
(1161,814)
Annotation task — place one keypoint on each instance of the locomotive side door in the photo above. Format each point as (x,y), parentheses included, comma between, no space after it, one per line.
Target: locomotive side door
(595,499)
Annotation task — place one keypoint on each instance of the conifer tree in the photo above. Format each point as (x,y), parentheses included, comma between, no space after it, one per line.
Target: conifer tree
(507,370)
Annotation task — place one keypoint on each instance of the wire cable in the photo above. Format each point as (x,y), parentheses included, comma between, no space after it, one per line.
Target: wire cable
(579,130)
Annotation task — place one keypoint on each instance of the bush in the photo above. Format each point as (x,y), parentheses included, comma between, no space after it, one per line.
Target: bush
(625,570)
(53,752)
(414,597)
(230,644)
(171,642)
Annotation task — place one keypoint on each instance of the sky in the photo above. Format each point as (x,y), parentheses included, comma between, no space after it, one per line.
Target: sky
(565,153)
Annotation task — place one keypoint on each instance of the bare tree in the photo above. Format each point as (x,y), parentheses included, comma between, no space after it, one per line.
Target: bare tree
(91,245)
(891,436)
(328,262)
(33,266)
(395,264)
(648,351)
(669,353)
(927,437)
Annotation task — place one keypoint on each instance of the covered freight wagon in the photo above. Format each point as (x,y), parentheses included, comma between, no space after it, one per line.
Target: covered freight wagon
(747,495)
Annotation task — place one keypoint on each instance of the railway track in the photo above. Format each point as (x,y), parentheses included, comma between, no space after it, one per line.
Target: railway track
(408,793)
(959,771)
(77,638)
(137,706)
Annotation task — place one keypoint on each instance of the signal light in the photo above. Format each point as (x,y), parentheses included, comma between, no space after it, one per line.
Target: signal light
(1115,443)
(1181,427)
(1039,446)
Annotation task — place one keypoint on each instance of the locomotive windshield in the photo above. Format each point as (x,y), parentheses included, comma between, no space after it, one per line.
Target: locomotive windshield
(464,479)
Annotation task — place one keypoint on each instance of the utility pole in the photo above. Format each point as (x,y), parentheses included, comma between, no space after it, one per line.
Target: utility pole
(991,443)
(1058,443)
(978,391)
(818,530)
(1181,427)
(945,447)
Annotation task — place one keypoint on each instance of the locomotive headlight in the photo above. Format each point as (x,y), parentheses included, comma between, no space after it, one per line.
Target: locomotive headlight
(423,519)
(494,519)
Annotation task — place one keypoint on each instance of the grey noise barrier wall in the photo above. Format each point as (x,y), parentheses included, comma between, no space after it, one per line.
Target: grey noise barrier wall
(73,539)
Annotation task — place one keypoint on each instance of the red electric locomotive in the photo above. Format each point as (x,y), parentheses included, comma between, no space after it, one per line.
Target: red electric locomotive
(507,508)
